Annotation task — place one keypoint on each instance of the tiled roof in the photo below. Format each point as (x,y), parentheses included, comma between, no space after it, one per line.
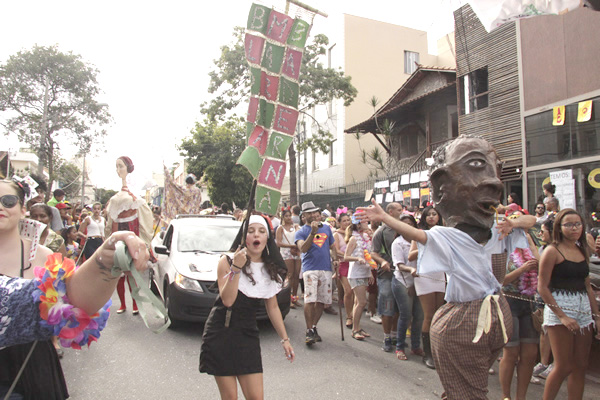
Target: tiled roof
(398,100)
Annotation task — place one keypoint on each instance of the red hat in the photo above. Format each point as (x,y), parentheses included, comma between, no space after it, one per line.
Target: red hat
(60,206)
(511,208)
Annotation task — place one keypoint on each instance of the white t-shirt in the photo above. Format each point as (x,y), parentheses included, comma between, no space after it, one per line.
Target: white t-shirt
(467,263)
(400,249)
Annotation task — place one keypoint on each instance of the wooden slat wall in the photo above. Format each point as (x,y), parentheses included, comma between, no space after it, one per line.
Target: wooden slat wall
(500,122)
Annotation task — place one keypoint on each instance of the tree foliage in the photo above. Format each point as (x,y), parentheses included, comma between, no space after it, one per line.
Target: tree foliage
(230,83)
(68,176)
(103,195)
(48,98)
(212,152)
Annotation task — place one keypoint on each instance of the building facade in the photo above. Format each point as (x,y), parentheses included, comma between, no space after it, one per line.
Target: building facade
(379,57)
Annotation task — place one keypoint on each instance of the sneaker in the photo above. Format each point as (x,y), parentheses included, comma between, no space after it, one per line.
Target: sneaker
(394,340)
(310,337)
(547,371)
(387,345)
(376,318)
(539,368)
(316,335)
(535,381)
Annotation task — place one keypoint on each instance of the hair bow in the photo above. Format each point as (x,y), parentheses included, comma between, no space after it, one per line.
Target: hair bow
(341,211)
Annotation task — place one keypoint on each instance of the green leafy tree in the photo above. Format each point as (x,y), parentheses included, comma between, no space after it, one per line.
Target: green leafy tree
(212,152)
(103,195)
(47,98)
(68,176)
(230,83)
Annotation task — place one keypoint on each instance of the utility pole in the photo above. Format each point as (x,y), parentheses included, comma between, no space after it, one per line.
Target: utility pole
(43,132)
(83,183)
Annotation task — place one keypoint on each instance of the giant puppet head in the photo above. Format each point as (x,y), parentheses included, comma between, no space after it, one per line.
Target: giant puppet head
(465,184)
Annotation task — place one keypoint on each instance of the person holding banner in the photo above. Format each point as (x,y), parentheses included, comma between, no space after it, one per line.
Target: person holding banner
(230,344)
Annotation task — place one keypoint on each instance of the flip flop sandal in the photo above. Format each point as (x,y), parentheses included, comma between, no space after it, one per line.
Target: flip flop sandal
(348,322)
(356,335)
(401,355)
(365,334)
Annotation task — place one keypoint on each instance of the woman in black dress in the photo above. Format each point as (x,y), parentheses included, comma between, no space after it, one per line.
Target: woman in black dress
(230,345)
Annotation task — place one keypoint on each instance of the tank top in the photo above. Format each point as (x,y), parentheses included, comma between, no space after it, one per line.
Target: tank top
(289,237)
(569,276)
(95,228)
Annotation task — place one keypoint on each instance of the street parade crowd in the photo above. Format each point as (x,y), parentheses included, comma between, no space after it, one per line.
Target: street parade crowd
(460,281)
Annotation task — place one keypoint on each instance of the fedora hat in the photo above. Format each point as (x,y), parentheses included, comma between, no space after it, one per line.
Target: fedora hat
(309,206)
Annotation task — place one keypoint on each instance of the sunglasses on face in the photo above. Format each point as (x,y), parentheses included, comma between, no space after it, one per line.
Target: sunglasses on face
(9,200)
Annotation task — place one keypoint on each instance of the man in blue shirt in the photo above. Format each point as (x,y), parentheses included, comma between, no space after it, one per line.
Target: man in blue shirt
(316,243)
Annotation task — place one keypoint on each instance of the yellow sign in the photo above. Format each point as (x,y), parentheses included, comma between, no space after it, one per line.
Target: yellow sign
(595,183)
(584,112)
(558,115)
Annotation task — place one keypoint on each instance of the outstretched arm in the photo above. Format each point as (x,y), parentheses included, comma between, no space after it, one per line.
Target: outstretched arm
(92,284)
(375,213)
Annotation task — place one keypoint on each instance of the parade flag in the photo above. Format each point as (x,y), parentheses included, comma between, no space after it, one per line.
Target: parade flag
(584,112)
(558,115)
(274,45)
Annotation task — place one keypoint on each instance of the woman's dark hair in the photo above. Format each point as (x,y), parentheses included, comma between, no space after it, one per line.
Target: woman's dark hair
(128,163)
(286,211)
(190,179)
(339,217)
(411,220)
(21,189)
(65,232)
(549,225)
(423,221)
(46,208)
(550,188)
(271,256)
(516,198)
(557,236)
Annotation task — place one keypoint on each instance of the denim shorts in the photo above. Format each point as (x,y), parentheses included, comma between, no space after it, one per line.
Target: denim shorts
(576,306)
(523,330)
(356,282)
(386,304)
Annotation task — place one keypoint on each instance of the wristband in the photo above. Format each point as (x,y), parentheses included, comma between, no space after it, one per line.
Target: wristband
(235,266)
(285,340)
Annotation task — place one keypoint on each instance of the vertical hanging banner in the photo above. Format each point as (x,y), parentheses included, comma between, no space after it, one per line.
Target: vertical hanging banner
(558,115)
(274,45)
(584,111)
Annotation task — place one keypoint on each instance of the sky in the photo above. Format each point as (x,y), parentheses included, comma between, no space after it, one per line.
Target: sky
(154,58)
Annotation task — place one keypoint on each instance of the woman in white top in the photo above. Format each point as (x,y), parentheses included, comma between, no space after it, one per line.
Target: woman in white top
(432,287)
(286,232)
(359,273)
(230,343)
(92,229)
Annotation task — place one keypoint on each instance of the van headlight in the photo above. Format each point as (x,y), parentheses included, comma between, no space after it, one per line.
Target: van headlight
(187,283)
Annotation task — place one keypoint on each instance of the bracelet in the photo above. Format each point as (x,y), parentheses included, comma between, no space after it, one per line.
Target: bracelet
(287,339)
(232,273)
(233,265)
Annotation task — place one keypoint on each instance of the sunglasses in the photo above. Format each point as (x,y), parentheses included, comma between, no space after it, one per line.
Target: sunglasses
(9,200)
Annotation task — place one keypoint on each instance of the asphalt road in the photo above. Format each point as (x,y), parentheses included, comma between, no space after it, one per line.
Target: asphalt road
(131,362)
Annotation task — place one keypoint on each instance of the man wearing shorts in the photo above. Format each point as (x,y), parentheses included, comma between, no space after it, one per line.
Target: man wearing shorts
(316,243)
(382,253)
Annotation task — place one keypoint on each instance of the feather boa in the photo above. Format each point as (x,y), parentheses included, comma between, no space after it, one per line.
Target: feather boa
(527,280)
(73,326)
